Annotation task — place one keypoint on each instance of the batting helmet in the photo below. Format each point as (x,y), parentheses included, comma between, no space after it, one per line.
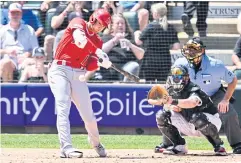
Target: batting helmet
(102,16)
(193,48)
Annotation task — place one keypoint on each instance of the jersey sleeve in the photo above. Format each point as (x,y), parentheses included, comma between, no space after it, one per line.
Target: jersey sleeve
(224,73)
(100,43)
(92,63)
(76,23)
(197,98)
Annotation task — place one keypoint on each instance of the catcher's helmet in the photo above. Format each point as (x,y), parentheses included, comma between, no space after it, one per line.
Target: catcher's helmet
(194,48)
(178,78)
(102,15)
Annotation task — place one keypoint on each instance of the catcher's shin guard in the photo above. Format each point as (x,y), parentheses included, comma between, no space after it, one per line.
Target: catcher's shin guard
(208,129)
(167,129)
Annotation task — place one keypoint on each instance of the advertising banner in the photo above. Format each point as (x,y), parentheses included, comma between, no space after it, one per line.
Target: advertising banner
(113,105)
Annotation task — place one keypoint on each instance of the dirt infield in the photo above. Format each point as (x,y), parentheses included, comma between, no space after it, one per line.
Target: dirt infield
(114,156)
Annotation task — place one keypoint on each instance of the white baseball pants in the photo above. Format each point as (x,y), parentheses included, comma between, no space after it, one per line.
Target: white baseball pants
(66,87)
(187,128)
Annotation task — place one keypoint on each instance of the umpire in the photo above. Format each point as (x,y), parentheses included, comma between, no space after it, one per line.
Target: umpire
(208,73)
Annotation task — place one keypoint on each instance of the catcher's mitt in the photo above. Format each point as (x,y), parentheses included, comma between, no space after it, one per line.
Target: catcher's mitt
(157,95)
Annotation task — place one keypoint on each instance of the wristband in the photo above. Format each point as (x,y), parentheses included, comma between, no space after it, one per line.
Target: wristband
(174,102)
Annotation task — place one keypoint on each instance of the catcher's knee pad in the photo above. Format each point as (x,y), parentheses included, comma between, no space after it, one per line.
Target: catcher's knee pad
(199,120)
(172,133)
(208,129)
(163,118)
(167,129)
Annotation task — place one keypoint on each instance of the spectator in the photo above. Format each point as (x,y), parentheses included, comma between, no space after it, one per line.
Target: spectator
(136,7)
(28,17)
(236,57)
(33,68)
(60,22)
(144,15)
(59,35)
(202,13)
(46,5)
(16,42)
(239,24)
(157,38)
(113,7)
(120,47)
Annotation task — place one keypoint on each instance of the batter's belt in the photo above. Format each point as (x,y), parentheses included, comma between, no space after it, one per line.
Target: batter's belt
(66,63)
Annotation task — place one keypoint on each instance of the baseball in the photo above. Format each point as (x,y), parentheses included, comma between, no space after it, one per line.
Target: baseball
(82,78)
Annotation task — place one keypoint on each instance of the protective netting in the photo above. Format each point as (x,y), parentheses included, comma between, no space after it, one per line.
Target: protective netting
(159,27)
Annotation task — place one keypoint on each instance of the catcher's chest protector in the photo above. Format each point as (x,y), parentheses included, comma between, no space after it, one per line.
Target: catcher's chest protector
(207,105)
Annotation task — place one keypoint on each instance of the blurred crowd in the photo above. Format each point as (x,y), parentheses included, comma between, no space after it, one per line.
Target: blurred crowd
(139,39)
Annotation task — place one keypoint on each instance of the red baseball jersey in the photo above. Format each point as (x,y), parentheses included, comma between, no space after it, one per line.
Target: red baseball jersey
(77,57)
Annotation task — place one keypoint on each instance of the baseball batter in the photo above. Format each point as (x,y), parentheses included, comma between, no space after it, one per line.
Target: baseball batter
(78,52)
(187,110)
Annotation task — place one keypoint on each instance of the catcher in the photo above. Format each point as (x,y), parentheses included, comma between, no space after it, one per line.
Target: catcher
(186,109)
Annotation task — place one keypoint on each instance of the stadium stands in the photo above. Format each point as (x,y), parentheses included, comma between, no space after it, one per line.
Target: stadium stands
(222,31)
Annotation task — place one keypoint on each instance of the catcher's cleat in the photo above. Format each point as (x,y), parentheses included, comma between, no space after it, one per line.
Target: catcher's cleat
(100,149)
(162,147)
(187,25)
(177,150)
(237,150)
(220,151)
(71,153)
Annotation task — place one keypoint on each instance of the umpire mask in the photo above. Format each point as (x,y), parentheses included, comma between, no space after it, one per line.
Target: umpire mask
(178,79)
(193,51)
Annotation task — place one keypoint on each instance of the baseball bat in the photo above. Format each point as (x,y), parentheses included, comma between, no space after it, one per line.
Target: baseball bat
(125,73)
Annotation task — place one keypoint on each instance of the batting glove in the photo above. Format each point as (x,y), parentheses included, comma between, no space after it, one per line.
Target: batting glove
(106,63)
(104,60)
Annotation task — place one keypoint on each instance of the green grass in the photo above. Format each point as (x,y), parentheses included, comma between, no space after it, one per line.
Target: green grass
(110,141)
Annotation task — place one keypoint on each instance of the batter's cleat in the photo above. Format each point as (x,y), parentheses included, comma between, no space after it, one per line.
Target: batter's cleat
(187,26)
(71,153)
(100,149)
(160,148)
(220,151)
(177,150)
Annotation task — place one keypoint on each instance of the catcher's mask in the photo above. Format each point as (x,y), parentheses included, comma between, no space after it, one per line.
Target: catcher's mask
(179,78)
(193,50)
